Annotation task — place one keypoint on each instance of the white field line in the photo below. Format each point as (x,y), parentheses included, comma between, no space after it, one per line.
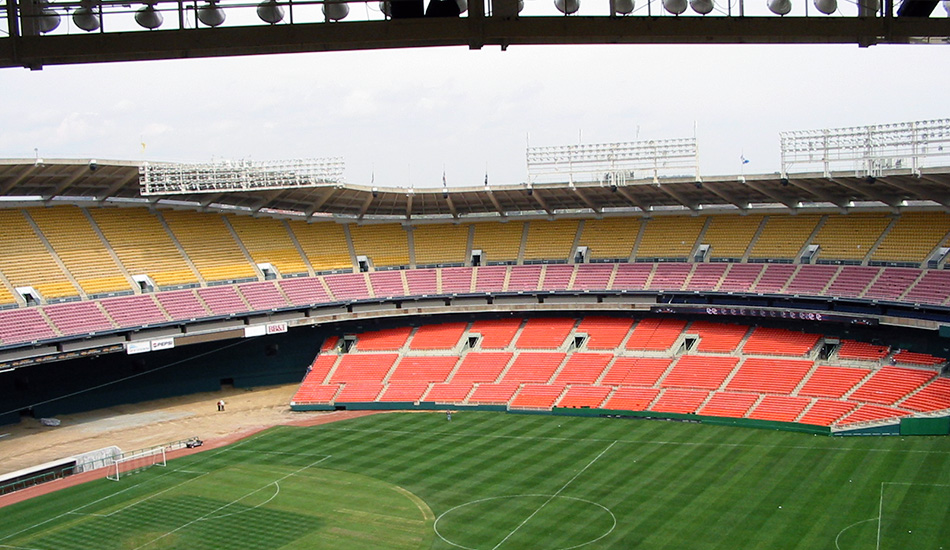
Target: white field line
(552,497)
(119,492)
(634,441)
(880,517)
(235,501)
(137,502)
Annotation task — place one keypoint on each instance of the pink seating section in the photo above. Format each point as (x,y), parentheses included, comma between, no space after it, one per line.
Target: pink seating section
(387,284)
(422,282)
(222,300)
(877,283)
(557,277)
(78,318)
(23,325)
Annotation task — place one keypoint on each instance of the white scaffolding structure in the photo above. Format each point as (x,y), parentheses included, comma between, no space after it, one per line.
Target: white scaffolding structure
(242,175)
(867,150)
(614,163)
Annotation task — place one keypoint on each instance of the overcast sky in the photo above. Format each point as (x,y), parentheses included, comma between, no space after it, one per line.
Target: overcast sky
(400,116)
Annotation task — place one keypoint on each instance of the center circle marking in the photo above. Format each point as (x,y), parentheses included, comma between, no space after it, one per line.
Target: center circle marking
(613,518)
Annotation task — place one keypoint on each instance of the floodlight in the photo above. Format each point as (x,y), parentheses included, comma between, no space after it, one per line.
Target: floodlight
(780,7)
(48,19)
(86,18)
(148,17)
(270,12)
(675,7)
(826,7)
(567,7)
(334,10)
(210,14)
(624,6)
(702,7)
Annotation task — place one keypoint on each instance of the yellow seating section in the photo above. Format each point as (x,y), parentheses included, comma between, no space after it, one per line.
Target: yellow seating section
(849,237)
(143,246)
(440,244)
(74,240)
(913,237)
(611,238)
(26,261)
(729,236)
(550,240)
(670,237)
(324,243)
(6,297)
(784,236)
(267,241)
(209,244)
(498,242)
(385,245)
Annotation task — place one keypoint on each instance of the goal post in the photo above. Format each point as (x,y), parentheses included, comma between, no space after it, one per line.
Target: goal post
(136,462)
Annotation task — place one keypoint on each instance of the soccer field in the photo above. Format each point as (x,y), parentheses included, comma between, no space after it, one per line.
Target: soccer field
(495,481)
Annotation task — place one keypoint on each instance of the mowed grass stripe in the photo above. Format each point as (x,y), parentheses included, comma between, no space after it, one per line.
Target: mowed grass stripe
(669,485)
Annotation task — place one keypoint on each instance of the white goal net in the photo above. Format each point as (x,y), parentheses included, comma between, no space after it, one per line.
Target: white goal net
(137,462)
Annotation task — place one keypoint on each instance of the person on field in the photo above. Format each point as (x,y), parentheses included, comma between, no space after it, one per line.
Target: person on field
(221,405)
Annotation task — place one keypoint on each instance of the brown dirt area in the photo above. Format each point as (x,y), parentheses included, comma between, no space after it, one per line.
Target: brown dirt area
(152,423)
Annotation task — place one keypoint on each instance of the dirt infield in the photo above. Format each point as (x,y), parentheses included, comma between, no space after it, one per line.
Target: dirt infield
(142,425)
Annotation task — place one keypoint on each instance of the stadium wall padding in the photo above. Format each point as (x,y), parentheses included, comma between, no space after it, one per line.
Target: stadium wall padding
(925,426)
(95,382)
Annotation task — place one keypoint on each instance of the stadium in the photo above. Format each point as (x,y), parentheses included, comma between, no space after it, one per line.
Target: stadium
(546,323)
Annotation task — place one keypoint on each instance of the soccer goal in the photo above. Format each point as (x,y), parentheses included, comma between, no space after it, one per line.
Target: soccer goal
(137,462)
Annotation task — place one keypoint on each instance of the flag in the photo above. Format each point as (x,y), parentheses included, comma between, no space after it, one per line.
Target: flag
(486,179)
(443,177)
(744,160)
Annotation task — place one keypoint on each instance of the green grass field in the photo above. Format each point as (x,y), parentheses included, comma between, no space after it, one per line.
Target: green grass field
(495,481)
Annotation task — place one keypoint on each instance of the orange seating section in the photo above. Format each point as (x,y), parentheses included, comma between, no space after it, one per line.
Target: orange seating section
(655,334)
(778,376)
(533,367)
(404,392)
(631,399)
(717,337)
(732,405)
(583,368)
(363,368)
(694,371)
(493,393)
(496,333)
(851,349)
(636,371)
(890,384)
(604,332)
(584,396)
(778,341)
(826,412)
(423,369)
(383,340)
(481,366)
(544,333)
(932,397)
(537,396)
(781,408)
(442,336)
(531,374)
(679,401)
(866,412)
(912,358)
(829,381)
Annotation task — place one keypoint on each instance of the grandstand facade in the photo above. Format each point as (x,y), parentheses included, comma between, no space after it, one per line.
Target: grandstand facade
(91,269)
